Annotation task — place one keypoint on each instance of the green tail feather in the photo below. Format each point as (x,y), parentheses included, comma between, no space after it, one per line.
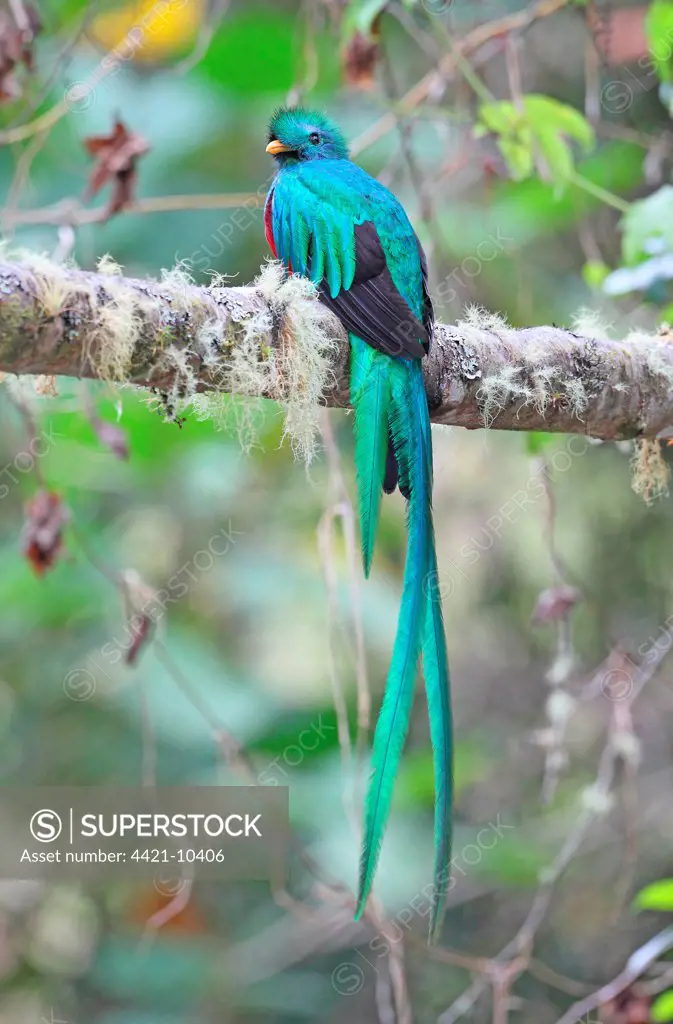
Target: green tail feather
(437,685)
(435,671)
(370,396)
(393,721)
(420,626)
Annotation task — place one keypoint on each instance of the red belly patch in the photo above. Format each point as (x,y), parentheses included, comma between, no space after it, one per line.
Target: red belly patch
(268,224)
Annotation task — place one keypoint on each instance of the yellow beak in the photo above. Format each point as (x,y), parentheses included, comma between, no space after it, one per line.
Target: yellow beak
(276,147)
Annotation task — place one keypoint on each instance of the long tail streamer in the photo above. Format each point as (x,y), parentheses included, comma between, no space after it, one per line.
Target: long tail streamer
(389,399)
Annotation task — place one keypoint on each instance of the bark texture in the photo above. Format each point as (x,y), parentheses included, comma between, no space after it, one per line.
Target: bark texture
(55,320)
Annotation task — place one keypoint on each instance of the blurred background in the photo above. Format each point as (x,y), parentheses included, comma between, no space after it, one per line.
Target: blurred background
(557,607)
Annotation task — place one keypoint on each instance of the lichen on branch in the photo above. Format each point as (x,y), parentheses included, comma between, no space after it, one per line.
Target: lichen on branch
(270,340)
(274,339)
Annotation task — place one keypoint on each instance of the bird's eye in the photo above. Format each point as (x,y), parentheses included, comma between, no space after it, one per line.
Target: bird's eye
(314,138)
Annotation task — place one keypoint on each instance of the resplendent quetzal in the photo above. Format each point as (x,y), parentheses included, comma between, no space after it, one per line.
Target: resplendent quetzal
(327,219)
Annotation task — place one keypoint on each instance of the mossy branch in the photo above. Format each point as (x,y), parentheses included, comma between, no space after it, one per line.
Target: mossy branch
(273,338)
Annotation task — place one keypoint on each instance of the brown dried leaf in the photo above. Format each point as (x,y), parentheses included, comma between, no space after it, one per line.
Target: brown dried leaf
(116,156)
(46,515)
(16,43)
(32,27)
(555,603)
(359,59)
(630,1007)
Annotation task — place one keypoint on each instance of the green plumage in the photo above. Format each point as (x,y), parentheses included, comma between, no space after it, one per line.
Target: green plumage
(393,722)
(329,220)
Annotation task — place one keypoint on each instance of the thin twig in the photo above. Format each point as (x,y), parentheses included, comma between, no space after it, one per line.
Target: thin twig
(405,129)
(327,554)
(175,906)
(596,804)
(207,30)
(561,671)
(71,211)
(637,963)
(518,21)
(45,122)
(364,700)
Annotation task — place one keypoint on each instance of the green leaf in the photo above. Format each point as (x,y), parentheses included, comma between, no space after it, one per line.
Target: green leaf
(556,154)
(518,157)
(647,220)
(594,273)
(541,123)
(659,33)
(545,114)
(249,63)
(500,117)
(662,1008)
(657,896)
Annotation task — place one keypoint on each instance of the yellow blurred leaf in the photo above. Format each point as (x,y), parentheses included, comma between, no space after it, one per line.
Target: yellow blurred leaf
(151,30)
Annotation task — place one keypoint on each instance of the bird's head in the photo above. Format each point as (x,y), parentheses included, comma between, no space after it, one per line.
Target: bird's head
(296,134)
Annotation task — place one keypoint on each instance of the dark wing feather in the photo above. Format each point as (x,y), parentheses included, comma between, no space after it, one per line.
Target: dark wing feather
(391,478)
(428,311)
(372,308)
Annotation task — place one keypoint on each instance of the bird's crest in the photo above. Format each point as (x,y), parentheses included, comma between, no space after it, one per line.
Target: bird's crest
(309,133)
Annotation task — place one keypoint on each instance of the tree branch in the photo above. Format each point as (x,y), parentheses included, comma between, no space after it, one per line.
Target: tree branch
(62,321)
